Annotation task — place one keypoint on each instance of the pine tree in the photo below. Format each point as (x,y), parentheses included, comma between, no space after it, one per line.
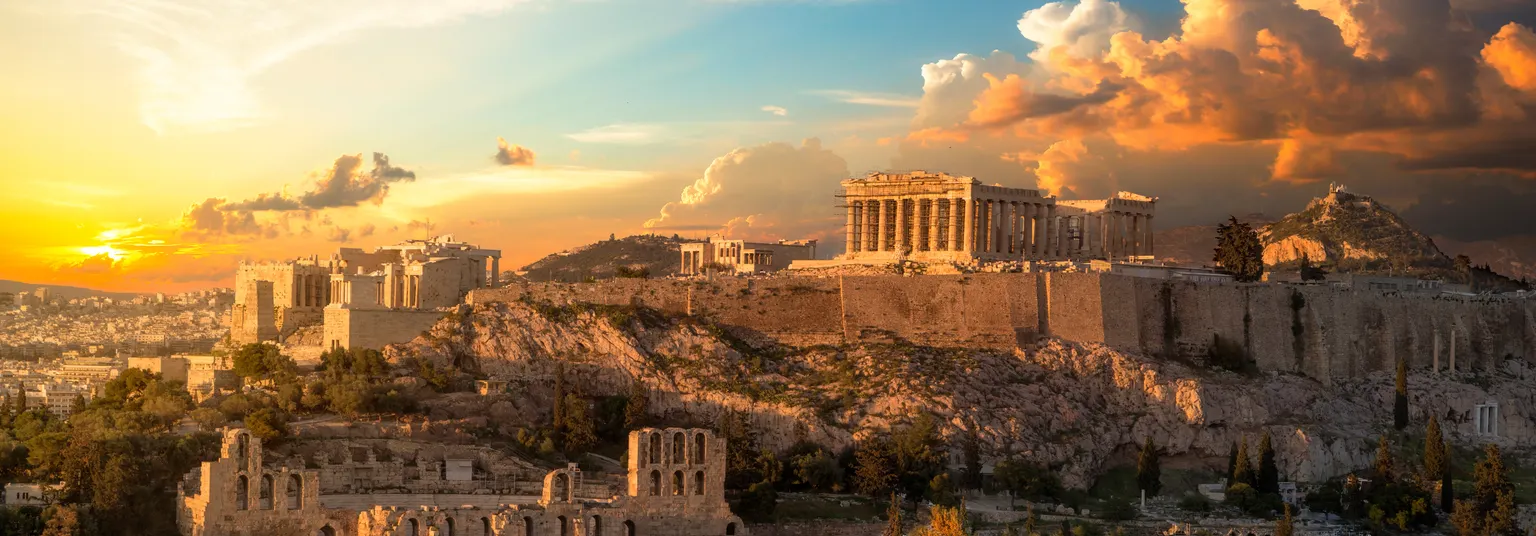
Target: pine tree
(1238,250)
(580,430)
(1400,400)
(1434,450)
(1384,469)
(1149,472)
(77,405)
(1243,472)
(1269,471)
(1284,526)
(892,518)
(1491,478)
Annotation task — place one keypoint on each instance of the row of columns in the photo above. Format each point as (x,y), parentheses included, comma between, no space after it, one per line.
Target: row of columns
(993,226)
(309,290)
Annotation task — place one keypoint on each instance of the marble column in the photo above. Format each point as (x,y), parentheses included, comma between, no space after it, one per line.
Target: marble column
(853,234)
(1026,230)
(1147,243)
(969,226)
(495,271)
(1047,253)
(882,242)
(999,218)
(871,225)
(1436,352)
(952,219)
(1037,228)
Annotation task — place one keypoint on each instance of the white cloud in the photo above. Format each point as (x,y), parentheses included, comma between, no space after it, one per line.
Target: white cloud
(1083,28)
(508,180)
(776,110)
(623,133)
(950,87)
(866,98)
(197,58)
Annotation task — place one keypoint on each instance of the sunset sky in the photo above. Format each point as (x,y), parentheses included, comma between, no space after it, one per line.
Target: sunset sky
(153,144)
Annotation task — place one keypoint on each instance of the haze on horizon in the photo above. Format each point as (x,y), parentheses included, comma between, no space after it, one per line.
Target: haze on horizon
(153,145)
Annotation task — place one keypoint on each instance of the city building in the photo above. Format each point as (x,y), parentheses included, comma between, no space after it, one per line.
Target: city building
(929,217)
(28,494)
(744,257)
(363,299)
(675,485)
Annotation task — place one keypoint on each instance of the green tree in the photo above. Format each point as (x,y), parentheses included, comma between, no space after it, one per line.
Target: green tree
(1284,526)
(817,470)
(1384,463)
(1400,398)
(1027,480)
(1238,250)
(77,405)
(941,491)
(876,472)
(1242,473)
(945,521)
(1149,472)
(971,450)
(635,411)
(741,449)
(262,362)
(1491,510)
(1269,471)
(269,424)
(1310,272)
(580,432)
(758,503)
(919,455)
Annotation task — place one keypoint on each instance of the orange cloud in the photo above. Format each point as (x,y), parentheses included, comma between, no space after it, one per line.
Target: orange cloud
(1303,161)
(509,154)
(1512,52)
(938,135)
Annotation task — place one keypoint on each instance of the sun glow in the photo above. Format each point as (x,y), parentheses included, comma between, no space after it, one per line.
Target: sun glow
(111,252)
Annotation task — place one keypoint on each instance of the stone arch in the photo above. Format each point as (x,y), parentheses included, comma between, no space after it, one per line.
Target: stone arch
(562,485)
(655,483)
(527,526)
(485,527)
(559,486)
(264,493)
(565,525)
(698,483)
(730,529)
(655,448)
(242,493)
(677,482)
(326,531)
(295,492)
(629,528)
(448,524)
(412,527)
(678,444)
(597,526)
(699,448)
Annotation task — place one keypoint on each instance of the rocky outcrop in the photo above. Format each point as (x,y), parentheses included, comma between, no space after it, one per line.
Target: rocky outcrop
(1078,407)
(1349,227)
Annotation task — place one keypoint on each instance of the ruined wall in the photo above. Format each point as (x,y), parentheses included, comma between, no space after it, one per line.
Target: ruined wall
(365,328)
(1320,331)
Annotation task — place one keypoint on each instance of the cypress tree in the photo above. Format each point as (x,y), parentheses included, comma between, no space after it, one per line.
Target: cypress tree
(1447,490)
(1269,472)
(1400,400)
(1434,450)
(1384,469)
(1284,526)
(1149,472)
(892,518)
(1232,464)
(1243,473)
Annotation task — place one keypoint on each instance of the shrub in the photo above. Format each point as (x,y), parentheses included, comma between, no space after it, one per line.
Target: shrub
(1118,510)
(1195,502)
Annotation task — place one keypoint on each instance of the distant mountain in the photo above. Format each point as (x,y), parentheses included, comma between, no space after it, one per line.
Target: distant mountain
(1195,245)
(1354,233)
(658,254)
(1514,256)
(62,291)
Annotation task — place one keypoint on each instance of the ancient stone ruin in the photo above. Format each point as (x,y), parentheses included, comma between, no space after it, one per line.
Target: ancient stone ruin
(675,486)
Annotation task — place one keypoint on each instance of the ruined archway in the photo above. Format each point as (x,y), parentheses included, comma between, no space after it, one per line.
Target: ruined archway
(655,448)
(264,493)
(242,493)
(485,526)
(698,448)
(295,492)
(655,483)
(698,483)
(677,482)
(678,448)
(326,531)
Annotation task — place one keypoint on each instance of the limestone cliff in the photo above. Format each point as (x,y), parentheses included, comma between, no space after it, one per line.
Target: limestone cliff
(1350,230)
(1079,408)
(601,259)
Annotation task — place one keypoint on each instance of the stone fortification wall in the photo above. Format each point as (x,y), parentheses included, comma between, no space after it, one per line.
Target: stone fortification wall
(375,328)
(1320,331)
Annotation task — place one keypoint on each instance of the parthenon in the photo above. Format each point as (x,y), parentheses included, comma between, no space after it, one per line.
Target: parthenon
(925,216)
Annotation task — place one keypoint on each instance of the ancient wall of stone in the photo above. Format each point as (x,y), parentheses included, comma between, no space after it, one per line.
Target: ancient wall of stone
(365,328)
(1320,331)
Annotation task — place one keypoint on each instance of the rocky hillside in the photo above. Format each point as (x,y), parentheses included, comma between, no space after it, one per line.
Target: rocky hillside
(1081,409)
(599,260)
(1351,232)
